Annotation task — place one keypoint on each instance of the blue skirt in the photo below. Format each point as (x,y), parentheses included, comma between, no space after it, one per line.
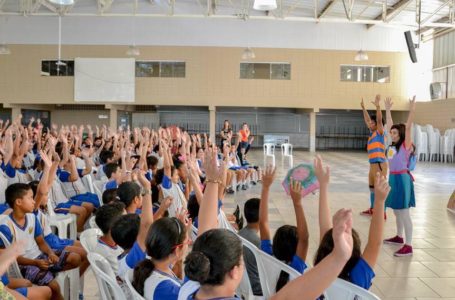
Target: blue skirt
(401,195)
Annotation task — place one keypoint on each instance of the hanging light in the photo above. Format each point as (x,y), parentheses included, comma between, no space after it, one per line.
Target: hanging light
(62,2)
(361,56)
(264,4)
(133,51)
(4,50)
(248,53)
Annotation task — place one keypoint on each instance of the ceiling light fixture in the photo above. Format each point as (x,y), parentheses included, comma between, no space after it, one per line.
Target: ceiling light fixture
(133,51)
(361,56)
(62,2)
(264,5)
(248,54)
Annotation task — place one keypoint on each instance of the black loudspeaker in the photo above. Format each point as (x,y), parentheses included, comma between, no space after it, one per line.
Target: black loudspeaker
(411,47)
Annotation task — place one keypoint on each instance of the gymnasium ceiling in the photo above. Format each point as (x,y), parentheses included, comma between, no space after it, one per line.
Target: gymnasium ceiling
(435,15)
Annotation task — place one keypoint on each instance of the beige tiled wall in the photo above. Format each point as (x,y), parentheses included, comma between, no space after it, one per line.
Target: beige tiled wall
(440,114)
(212,77)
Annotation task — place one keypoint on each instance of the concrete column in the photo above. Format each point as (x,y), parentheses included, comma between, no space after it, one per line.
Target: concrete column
(313,130)
(15,111)
(212,123)
(113,117)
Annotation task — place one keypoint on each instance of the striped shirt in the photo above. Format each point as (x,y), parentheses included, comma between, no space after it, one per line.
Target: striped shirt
(376,147)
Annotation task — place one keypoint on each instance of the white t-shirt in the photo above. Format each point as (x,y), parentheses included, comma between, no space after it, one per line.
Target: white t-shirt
(111,254)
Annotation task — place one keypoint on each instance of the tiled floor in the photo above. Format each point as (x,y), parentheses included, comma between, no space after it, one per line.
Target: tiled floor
(428,274)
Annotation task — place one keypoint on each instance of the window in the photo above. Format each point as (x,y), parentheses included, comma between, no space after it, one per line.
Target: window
(379,74)
(51,68)
(278,71)
(176,69)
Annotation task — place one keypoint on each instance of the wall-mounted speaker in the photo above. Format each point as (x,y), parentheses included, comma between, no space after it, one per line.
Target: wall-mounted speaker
(411,46)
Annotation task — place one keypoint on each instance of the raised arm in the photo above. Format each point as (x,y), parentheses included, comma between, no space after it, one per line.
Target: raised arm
(302,227)
(208,210)
(313,283)
(408,139)
(366,116)
(323,175)
(375,235)
(388,113)
(88,164)
(43,186)
(267,179)
(147,210)
(377,103)
(166,159)
(9,147)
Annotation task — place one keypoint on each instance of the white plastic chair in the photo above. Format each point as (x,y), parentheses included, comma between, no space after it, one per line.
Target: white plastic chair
(341,289)
(88,183)
(105,277)
(433,143)
(92,222)
(128,279)
(67,280)
(269,151)
(269,271)
(286,151)
(98,187)
(421,143)
(89,239)
(244,289)
(63,223)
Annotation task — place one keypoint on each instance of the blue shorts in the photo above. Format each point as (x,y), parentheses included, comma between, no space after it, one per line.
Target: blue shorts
(64,208)
(57,243)
(3,208)
(87,197)
(234,168)
(22,291)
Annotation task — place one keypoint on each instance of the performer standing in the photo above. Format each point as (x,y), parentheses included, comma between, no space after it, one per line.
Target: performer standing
(376,149)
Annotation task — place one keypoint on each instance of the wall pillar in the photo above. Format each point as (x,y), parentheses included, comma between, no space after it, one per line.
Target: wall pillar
(113,112)
(313,130)
(212,123)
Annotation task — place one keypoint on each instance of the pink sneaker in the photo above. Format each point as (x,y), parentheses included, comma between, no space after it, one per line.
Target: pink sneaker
(395,240)
(367,212)
(406,250)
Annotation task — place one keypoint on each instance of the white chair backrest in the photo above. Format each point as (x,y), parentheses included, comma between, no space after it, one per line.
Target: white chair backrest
(269,149)
(341,289)
(13,270)
(224,223)
(244,289)
(92,222)
(105,277)
(269,271)
(98,190)
(286,149)
(89,239)
(88,183)
(129,279)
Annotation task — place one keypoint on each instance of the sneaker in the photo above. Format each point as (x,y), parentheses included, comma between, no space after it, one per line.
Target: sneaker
(238,187)
(244,187)
(395,240)
(253,182)
(229,190)
(406,250)
(367,212)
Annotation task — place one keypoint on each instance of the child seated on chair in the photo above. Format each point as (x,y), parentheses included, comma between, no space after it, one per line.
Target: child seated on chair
(109,196)
(40,263)
(359,268)
(106,216)
(290,243)
(114,176)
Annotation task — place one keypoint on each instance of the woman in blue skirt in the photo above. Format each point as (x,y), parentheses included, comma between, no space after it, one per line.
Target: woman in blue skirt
(401,197)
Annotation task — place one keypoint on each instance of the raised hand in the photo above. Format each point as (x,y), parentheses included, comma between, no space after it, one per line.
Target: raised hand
(212,171)
(342,233)
(142,179)
(166,202)
(362,104)
(46,159)
(381,187)
(388,103)
(412,103)
(322,172)
(268,176)
(377,100)
(296,191)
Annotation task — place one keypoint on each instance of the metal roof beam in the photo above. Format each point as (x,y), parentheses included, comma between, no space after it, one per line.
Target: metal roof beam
(394,11)
(326,9)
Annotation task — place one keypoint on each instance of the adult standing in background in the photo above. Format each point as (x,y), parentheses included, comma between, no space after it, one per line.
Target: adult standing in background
(244,143)
(226,133)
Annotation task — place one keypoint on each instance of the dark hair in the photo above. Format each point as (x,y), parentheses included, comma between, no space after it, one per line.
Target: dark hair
(401,128)
(105,155)
(162,238)
(177,162)
(109,195)
(14,192)
(284,248)
(326,247)
(107,215)
(110,168)
(251,210)
(127,191)
(375,119)
(34,186)
(125,230)
(215,253)
(193,207)
(152,161)
(160,175)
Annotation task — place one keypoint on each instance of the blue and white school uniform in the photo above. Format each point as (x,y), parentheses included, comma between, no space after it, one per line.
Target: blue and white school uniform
(176,192)
(130,260)
(160,285)
(76,190)
(15,175)
(59,200)
(297,263)
(112,184)
(22,290)
(56,243)
(361,274)
(3,186)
